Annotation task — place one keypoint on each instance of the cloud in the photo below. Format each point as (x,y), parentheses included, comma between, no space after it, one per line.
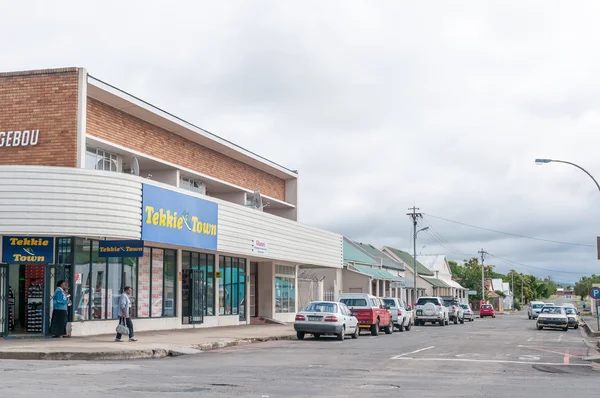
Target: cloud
(378,105)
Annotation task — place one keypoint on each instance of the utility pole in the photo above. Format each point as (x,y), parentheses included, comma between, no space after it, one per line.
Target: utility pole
(482,252)
(414,215)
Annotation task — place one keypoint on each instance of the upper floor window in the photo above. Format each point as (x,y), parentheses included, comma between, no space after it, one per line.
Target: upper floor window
(99,159)
(192,185)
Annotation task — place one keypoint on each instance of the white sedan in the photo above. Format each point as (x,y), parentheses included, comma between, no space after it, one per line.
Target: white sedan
(326,317)
(553,317)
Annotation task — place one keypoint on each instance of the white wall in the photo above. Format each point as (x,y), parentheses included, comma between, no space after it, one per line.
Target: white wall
(58,201)
(166,176)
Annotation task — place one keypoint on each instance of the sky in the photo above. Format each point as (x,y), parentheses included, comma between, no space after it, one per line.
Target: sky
(379,106)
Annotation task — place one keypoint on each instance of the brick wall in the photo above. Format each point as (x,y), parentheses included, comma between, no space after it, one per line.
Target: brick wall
(44,100)
(108,123)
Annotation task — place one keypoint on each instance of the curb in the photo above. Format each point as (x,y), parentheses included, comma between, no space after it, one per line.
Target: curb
(589,331)
(156,353)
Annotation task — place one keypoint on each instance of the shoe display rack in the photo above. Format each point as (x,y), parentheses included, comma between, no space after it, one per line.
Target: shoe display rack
(34,290)
(11,309)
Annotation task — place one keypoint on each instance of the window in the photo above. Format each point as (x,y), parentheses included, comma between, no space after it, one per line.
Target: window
(156,283)
(192,185)
(143,301)
(99,159)
(169,283)
(321,307)
(232,289)
(354,302)
(285,289)
(390,302)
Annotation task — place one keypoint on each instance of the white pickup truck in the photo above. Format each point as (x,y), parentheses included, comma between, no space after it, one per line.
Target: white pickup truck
(401,317)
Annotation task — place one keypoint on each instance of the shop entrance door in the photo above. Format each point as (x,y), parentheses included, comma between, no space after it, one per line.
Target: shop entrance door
(253,291)
(196,314)
(4,296)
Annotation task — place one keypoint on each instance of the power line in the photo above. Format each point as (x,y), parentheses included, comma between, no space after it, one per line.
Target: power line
(510,234)
(511,262)
(440,241)
(443,241)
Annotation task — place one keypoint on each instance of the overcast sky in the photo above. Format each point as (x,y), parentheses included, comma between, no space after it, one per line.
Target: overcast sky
(379,105)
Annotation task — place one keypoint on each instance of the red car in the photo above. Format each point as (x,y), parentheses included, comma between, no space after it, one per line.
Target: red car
(487,310)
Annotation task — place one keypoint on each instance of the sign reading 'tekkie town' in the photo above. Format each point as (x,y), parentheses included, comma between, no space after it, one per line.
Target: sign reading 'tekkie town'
(19,138)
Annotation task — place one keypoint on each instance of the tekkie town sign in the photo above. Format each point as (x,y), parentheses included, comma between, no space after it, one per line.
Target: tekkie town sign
(19,138)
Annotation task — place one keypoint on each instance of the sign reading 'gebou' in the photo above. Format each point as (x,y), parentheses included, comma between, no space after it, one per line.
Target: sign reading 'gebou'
(19,138)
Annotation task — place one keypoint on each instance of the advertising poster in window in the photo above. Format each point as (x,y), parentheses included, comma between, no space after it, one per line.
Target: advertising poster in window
(144,285)
(157,282)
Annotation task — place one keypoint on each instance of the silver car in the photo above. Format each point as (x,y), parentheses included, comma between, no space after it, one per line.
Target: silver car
(326,317)
(468,314)
(535,307)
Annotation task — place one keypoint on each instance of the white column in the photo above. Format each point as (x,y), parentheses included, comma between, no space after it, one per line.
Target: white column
(376,287)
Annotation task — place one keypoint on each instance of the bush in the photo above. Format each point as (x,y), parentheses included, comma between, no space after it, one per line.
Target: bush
(517,305)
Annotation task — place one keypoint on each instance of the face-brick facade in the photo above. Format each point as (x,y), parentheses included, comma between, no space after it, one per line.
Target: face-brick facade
(118,127)
(44,101)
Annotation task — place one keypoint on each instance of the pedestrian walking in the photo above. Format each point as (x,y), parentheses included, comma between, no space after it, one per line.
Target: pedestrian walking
(58,325)
(125,313)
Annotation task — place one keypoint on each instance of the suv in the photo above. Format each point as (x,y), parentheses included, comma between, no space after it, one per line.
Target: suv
(370,312)
(535,307)
(400,315)
(455,311)
(431,309)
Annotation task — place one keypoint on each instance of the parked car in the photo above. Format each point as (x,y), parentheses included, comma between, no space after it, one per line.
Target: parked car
(534,309)
(400,315)
(553,317)
(326,318)
(487,310)
(468,312)
(431,309)
(370,312)
(455,311)
(572,316)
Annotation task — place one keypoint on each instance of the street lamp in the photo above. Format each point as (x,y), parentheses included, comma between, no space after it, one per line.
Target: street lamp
(415,261)
(541,162)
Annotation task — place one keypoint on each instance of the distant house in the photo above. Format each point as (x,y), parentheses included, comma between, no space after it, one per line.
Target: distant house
(564,293)
(441,268)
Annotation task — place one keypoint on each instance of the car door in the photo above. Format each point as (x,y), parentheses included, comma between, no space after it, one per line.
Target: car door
(352,321)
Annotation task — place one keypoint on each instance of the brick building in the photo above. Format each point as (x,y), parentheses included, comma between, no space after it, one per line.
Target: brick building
(97,173)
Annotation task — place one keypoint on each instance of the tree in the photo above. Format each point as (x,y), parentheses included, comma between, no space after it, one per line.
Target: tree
(583,287)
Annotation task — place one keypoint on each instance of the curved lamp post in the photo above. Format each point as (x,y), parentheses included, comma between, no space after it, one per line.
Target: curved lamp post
(540,162)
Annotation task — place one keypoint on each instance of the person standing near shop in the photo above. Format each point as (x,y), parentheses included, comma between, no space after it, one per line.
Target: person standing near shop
(125,313)
(58,326)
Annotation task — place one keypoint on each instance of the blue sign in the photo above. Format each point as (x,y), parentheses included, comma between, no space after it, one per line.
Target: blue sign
(27,250)
(595,292)
(121,248)
(178,219)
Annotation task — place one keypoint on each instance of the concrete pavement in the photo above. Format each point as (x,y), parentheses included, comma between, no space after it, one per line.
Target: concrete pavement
(150,345)
(501,357)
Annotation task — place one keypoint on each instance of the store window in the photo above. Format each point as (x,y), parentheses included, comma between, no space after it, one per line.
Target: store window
(156,283)
(232,289)
(99,159)
(285,289)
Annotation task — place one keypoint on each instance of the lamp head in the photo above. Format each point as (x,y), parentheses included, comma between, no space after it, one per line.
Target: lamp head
(540,162)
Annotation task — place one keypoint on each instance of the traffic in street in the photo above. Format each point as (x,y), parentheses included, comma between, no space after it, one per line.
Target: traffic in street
(496,357)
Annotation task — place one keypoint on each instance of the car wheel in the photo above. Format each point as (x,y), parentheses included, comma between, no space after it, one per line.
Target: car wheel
(447,321)
(493,316)
(342,334)
(456,320)
(462,321)
(401,327)
(317,335)
(472,319)
(539,327)
(389,329)
(529,316)
(356,332)
(407,327)
(566,329)
(375,329)
(576,327)
(442,322)
(300,335)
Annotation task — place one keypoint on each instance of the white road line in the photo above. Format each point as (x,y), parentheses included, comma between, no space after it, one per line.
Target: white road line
(412,352)
(491,361)
(531,338)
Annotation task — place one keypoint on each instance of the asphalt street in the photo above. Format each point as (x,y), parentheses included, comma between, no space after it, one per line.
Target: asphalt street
(501,357)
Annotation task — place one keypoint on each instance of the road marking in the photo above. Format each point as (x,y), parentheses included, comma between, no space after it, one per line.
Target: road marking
(531,338)
(491,361)
(412,352)
(560,337)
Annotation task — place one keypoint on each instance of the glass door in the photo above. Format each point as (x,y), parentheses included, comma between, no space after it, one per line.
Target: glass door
(53,274)
(196,309)
(5,314)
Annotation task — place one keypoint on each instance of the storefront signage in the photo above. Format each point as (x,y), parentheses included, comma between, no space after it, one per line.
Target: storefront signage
(259,246)
(398,284)
(19,138)
(27,250)
(178,219)
(121,248)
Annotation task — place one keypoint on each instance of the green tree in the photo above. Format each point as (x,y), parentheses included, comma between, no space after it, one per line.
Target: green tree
(583,287)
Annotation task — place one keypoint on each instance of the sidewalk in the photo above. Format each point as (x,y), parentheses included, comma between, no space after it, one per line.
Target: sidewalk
(158,344)
(591,326)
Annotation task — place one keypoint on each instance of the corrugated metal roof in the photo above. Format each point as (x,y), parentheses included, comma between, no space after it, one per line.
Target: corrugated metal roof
(375,272)
(436,282)
(354,254)
(408,259)
(386,261)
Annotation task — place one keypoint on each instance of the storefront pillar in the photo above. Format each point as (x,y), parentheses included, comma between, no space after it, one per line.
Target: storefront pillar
(376,288)
(179,287)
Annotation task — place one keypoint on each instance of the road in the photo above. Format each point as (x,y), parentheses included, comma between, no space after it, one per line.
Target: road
(501,357)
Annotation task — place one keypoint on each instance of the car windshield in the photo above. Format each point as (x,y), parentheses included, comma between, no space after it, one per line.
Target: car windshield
(450,303)
(464,306)
(552,310)
(570,310)
(486,306)
(321,307)
(425,300)
(354,302)
(390,302)
(537,305)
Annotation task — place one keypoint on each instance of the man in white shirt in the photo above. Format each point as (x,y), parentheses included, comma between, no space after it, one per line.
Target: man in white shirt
(124,313)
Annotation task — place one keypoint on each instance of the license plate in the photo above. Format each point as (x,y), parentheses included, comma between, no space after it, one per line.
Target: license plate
(314,318)
(419,312)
